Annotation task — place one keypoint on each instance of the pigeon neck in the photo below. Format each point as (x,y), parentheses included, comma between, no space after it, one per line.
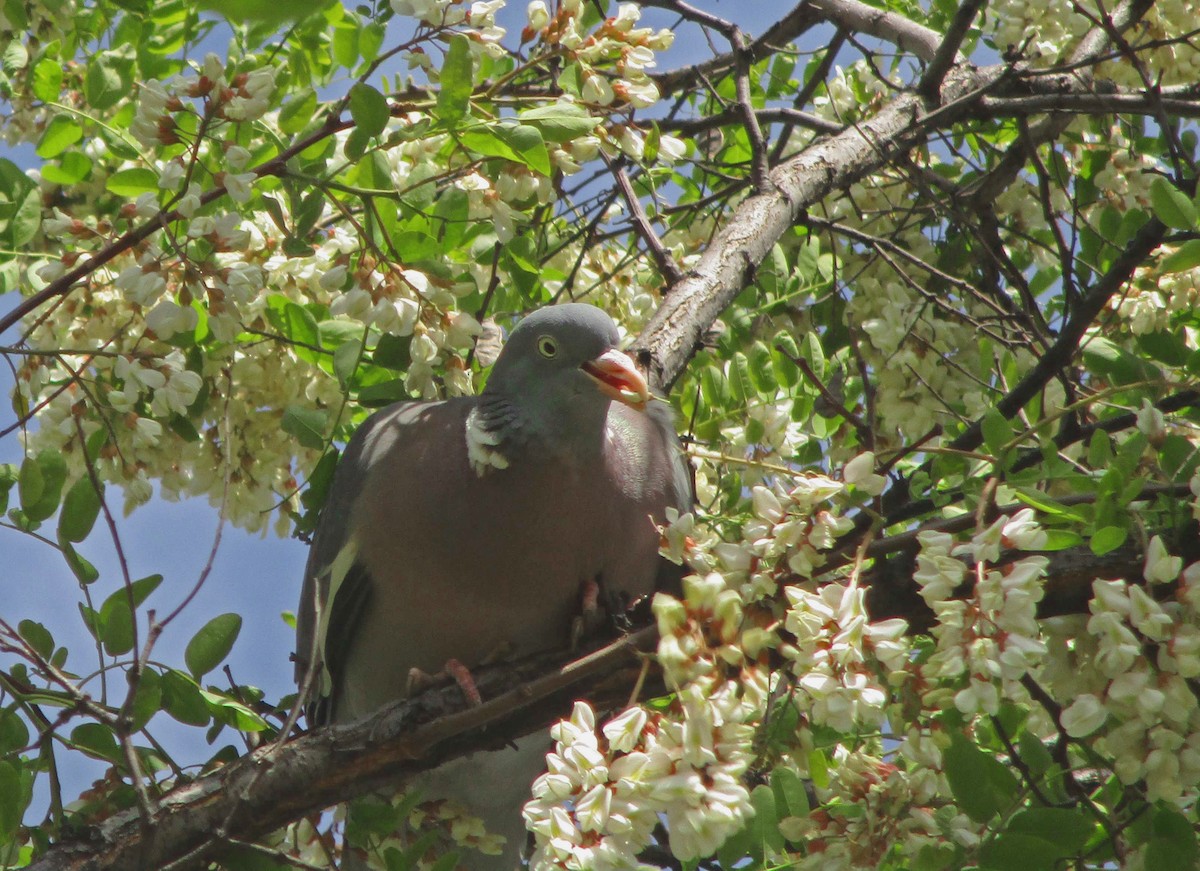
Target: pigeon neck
(500,432)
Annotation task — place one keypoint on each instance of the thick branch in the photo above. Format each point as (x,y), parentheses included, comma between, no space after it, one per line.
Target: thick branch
(277,784)
(728,265)
(889,26)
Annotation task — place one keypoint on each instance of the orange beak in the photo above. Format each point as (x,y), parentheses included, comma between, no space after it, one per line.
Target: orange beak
(618,378)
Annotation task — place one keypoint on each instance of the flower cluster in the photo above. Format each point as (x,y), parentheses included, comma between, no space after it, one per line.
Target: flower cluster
(895,813)
(1124,673)
(990,638)
(599,802)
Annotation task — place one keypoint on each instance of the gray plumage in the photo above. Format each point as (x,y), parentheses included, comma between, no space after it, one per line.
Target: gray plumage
(461,528)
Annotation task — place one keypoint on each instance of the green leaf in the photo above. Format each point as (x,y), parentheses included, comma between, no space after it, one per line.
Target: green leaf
(233,712)
(1067,829)
(271,13)
(997,431)
(298,111)
(72,168)
(308,425)
(115,620)
(80,509)
(1018,852)
(1173,846)
(1171,205)
(47,80)
(209,647)
(296,324)
(14,734)
(369,109)
(31,484)
(791,798)
(767,839)
(560,122)
(26,219)
(107,81)
(1043,503)
(1099,450)
(370,40)
(54,474)
(344,45)
(61,133)
(345,361)
(519,143)
(982,785)
(1185,257)
(147,700)
(132,182)
(84,571)
(456,81)
(37,636)
(1117,364)
(739,378)
(10,800)
(1061,539)
(182,700)
(96,739)
(383,393)
(1108,539)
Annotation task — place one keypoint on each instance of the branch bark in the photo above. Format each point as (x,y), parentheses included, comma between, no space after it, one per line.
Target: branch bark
(283,782)
(728,265)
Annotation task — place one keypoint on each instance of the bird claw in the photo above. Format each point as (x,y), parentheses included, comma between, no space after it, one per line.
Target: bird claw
(419,681)
(592,614)
(466,683)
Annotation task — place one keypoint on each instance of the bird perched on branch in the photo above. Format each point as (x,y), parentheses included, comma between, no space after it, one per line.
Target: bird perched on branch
(461,530)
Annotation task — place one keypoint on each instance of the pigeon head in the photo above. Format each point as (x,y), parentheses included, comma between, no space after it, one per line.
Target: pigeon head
(567,353)
(554,381)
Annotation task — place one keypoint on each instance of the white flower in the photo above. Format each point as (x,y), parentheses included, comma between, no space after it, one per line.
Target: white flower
(537,14)
(189,202)
(168,318)
(240,186)
(671,149)
(1147,616)
(641,94)
(596,89)
(333,278)
(1084,716)
(1161,567)
(1152,424)
(766,504)
(1023,532)
(625,730)
(171,176)
(237,157)
(860,472)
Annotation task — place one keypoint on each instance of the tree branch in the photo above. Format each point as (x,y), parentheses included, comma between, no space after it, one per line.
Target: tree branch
(276,784)
(889,26)
(728,264)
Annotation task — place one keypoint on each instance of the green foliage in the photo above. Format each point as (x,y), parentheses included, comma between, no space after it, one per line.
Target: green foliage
(281,238)
(212,643)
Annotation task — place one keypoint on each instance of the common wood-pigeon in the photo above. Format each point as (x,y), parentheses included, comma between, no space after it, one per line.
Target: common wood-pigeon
(455,530)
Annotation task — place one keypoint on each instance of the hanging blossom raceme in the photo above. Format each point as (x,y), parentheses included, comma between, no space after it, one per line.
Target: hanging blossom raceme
(1124,676)
(720,648)
(990,637)
(606,788)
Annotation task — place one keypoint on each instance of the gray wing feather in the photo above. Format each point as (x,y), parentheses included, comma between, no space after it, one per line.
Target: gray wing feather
(368,444)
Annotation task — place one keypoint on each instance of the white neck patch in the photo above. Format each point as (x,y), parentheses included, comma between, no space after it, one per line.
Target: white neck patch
(482,445)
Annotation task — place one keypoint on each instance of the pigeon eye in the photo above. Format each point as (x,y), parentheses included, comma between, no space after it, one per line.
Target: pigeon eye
(547,347)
